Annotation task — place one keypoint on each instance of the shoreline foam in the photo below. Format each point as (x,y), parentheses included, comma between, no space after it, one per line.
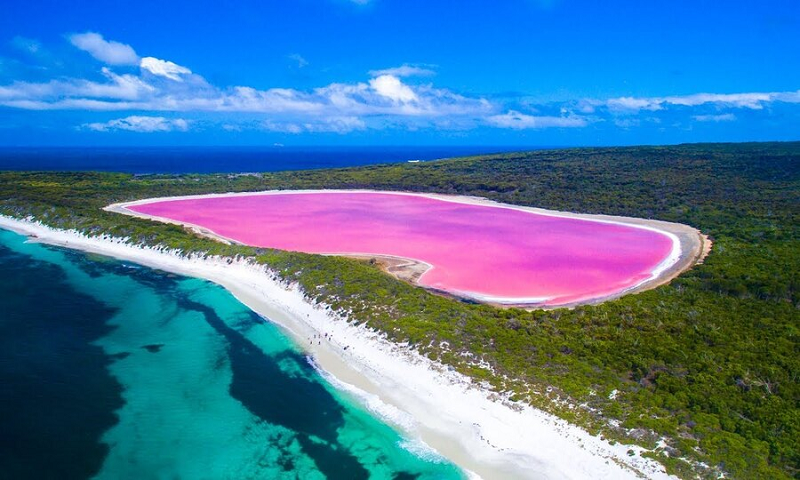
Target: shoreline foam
(481,431)
(688,244)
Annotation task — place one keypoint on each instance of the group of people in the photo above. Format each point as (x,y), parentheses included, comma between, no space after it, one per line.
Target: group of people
(319,339)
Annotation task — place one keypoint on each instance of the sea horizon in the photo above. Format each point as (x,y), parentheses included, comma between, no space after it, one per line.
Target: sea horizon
(227,159)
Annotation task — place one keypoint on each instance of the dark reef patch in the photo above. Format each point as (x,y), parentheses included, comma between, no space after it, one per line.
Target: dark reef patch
(56,394)
(295,402)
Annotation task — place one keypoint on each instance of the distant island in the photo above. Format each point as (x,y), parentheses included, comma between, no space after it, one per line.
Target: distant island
(694,378)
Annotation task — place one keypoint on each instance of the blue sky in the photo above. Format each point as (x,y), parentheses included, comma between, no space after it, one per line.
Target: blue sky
(371,72)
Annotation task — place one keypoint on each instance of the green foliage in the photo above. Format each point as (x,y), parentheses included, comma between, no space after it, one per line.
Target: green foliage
(709,362)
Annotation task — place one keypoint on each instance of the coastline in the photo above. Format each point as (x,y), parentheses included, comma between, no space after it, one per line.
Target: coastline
(423,399)
(689,245)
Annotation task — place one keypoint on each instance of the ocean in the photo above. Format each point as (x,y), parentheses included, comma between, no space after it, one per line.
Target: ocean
(143,160)
(112,370)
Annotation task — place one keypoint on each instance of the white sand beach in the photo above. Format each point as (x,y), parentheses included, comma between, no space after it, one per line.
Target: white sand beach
(482,432)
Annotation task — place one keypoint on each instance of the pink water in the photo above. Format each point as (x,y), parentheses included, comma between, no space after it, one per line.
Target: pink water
(479,250)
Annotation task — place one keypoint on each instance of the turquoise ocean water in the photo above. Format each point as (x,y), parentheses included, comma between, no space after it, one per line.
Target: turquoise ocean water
(111,370)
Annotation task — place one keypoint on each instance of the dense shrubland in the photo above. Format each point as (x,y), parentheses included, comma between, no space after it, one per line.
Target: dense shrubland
(710,362)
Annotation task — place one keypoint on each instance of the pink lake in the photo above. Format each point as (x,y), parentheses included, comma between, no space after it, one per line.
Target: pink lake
(482,251)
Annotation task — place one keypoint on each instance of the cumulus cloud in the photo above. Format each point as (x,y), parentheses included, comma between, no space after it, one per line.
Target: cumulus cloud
(144,124)
(392,97)
(404,70)
(520,121)
(164,68)
(725,117)
(392,88)
(112,53)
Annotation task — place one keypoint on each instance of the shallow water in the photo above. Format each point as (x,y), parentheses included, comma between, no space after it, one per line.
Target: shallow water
(112,370)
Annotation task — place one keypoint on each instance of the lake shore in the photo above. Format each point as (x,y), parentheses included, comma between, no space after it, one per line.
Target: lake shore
(689,245)
(481,431)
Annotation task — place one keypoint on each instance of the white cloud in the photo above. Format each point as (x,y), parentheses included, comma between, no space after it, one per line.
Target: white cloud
(631,103)
(112,53)
(404,70)
(340,125)
(337,125)
(739,100)
(118,87)
(298,59)
(128,92)
(164,68)
(392,88)
(27,45)
(283,127)
(136,123)
(390,98)
(787,97)
(385,95)
(520,121)
(248,99)
(627,122)
(751,100)
(586,106)
(725,117)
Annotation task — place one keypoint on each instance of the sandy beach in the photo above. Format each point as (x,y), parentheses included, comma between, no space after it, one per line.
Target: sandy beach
(688,245)
(441,411)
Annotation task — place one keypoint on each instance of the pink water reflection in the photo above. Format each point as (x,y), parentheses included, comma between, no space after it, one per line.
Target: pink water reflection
(500,253)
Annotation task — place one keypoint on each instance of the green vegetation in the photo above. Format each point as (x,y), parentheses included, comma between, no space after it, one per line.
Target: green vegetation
(710,361)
